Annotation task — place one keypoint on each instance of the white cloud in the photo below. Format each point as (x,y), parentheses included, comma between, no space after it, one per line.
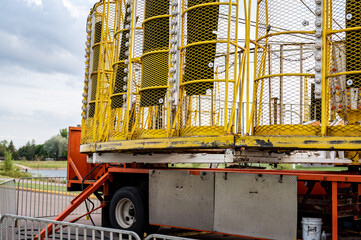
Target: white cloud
(41,67)
(45,58)
(34,3)
(37,105)
(77,8)
(74,11)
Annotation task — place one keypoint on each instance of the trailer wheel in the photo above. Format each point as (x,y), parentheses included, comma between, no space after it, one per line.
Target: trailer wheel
(126,210)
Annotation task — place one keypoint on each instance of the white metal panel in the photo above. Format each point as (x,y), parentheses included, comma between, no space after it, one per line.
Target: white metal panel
(179,199)
(262,206)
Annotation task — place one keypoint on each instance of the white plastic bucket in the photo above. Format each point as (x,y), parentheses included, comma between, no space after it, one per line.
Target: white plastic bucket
(311,228)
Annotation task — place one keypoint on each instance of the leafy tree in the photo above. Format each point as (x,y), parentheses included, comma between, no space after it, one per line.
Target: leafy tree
(13,150)
(40,153)
(28,151)
(8,163)
(3,147)
(11,147)
(63,132)
(56,147)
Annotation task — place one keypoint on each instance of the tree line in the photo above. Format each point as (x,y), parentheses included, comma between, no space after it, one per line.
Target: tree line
(56,148)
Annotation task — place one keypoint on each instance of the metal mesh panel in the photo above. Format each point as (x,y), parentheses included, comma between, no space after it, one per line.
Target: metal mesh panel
(344,78)
(122,38)
(285,99)
(202,25)
(100,28)
(152,109)
(155,62)
(208,67)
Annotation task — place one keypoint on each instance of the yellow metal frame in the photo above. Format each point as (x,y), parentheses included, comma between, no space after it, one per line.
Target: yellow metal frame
(354,115)
(259,76)
(160,144)
(97,127)
(141,128)
(95,134)
(227,128)
(226,142)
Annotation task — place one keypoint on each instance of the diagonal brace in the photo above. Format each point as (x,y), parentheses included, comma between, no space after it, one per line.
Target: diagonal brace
(76,202)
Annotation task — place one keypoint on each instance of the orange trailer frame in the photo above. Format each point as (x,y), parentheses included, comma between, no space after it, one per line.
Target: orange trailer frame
(78,169)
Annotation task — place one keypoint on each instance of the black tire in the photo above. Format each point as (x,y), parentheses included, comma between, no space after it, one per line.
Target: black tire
(126,210)
(150,229)
(105,216)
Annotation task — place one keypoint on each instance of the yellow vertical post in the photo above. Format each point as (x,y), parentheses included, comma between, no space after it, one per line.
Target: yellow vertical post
(324,110)
(105,80)
(248,42)
(236,88)
(236,44)
(240,116)
(227,64)
(100,75)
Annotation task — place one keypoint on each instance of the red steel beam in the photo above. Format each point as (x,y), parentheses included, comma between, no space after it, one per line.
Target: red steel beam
(334,211)
(128,170)
(77,173)
(301,175)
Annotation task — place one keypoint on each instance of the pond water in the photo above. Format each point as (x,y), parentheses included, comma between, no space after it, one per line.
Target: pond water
(48,172)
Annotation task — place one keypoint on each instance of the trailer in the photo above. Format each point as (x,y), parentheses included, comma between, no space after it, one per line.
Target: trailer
(248,202)
(179,128)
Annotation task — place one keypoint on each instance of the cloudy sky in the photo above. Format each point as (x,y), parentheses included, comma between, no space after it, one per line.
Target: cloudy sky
(42,46)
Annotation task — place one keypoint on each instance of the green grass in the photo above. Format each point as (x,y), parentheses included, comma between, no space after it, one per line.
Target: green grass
(15,173)
(189,165)
(3,178)
(43,164)
(44,186)
(333,169)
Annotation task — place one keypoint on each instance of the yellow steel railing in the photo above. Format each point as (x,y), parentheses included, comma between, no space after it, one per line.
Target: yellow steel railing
(95,116)
(341,56)
(283,60)
(177,69)
(208,95)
